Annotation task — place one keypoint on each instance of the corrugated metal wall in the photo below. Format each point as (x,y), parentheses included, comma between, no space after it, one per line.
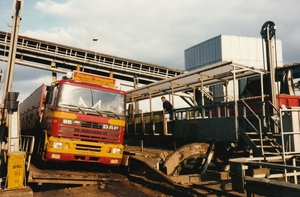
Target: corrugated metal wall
(203,54)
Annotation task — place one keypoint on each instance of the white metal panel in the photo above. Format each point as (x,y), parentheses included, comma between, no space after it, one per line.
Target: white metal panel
(244,48)
(254,49)
(247,50)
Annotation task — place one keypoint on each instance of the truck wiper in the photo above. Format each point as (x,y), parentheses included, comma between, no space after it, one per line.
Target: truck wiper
(91,108)
(70,105)
(100,112)
(96,111)
(110,112)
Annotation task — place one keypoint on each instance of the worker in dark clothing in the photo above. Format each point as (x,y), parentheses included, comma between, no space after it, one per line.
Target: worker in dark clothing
(167,106)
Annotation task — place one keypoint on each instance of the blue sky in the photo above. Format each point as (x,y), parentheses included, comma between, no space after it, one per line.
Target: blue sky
(154,31)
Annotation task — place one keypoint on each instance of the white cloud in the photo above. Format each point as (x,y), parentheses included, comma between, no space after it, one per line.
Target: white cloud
(154,31)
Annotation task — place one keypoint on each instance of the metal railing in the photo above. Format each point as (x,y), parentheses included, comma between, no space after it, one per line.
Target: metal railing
(290,136)
(259,131)
(27,145)
(263,169)
(156,122)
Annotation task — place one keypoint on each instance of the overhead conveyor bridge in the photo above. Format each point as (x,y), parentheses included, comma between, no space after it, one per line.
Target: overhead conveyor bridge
(61,59)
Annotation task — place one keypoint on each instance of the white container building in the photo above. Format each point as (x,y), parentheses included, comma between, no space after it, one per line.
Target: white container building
(249,51)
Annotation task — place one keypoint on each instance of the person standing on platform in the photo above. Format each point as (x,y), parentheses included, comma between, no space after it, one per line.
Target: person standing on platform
(167,107)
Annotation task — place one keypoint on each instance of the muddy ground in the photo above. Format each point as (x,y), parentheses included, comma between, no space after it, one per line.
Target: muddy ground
(110,189)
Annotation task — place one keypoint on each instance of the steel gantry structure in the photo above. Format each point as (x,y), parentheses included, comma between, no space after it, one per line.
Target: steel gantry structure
(60,58)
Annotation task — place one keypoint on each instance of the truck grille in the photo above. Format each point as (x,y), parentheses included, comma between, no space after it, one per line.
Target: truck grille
(90,131)
(88,148)
(94,125)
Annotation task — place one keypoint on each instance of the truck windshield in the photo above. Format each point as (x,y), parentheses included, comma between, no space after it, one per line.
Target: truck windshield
(99,100)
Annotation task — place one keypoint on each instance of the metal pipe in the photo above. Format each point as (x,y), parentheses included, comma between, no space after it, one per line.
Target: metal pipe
(267,33)
(12,48)
(235,101)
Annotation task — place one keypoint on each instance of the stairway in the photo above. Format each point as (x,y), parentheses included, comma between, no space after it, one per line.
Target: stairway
(206,92)
(268,146)
(259,137)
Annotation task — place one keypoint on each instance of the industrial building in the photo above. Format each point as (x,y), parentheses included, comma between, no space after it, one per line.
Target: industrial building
(249,51)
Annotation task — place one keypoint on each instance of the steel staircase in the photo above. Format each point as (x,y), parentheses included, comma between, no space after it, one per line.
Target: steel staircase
(206,92)
(260,140)
(265,146)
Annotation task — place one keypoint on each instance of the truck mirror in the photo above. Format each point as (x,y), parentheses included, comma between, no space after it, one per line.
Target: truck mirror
(130,109)
(49,88)
(49,94)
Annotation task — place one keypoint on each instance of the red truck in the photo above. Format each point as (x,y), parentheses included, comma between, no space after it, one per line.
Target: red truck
(78,118)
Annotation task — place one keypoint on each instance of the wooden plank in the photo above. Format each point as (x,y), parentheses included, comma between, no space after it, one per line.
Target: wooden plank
(70,177)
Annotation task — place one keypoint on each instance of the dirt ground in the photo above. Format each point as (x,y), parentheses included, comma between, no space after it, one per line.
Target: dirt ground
(111,189)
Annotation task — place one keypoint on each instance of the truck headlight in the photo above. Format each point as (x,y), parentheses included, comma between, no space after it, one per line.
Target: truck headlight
(57,144)
(116,151)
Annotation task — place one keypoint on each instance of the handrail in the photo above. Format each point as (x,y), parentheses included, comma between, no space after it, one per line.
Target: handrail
(272,163)
(259,124)
(277,114)
(27,145)
(292,136)
(274,108)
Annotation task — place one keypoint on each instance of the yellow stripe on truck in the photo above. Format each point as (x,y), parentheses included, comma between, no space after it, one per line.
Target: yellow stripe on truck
(70,116)
(120,123)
